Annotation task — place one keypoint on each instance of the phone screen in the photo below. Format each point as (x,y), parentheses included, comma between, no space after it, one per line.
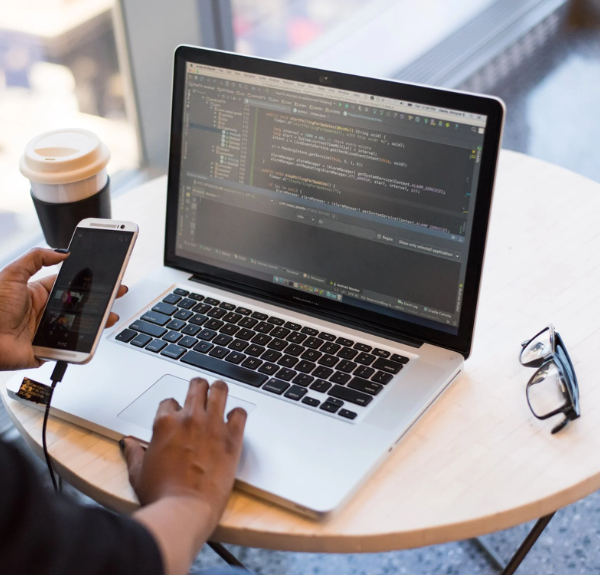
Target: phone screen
(82,290)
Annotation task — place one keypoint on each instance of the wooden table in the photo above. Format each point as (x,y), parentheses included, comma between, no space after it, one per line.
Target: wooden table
(478,461)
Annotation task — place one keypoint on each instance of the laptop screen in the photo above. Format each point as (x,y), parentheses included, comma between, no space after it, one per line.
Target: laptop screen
(346,196)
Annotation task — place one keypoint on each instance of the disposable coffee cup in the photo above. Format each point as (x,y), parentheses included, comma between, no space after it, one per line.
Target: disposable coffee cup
(67,172)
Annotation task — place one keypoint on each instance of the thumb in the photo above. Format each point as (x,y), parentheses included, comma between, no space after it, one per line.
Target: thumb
(32,262)
(134,456)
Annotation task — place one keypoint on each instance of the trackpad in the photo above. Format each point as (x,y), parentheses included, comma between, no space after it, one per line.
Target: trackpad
(142,411)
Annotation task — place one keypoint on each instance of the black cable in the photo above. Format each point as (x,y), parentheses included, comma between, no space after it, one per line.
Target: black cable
(59,371)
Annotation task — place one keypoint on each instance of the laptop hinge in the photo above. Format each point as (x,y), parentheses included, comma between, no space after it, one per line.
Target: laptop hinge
(343,319)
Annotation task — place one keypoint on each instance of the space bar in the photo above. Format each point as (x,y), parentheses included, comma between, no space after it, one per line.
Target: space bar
(225,369)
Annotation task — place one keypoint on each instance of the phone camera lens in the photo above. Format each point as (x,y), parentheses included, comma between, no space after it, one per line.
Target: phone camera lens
(122,226)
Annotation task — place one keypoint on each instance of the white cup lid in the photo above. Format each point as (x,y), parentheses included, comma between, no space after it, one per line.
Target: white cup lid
(63,156)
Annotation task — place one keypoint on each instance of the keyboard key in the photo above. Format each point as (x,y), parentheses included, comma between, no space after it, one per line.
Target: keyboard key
(305,366)
(276,320)
(271,355)
(243,310)
(350,395)
(328,360)
(320,386)
(277,344)
(248,322)
(198,319)
(264,327)
(364,371)
(126,335)
(165,308)
(382,377)
(216,312)
(399,358)
(173,351)
(310,331)
(313,343)
(294,349)
(365,358)
(156,318)
(207,334)
(347,353)
(172,336)
(286,374)
(303,379)
(184,314)
(235,357)
(196,296)
(211,301)
(326,336)
(362,347)
(276,386)
(201,308)
(260,316)
(346,366)
(175,324)
(329,406)
(311,355)
(156,345)
(387,365)
(222,339)
(292,326)
(322,372)
(279,332)
(172,298)
(330,348)
(381,352)
(232,317)
(181,292)
(203,347)
(252,363)
(246,334)
(214,324)
(227,306)
(186,303)
(224,368)
(311,401)
(229,329)
(188,341)
(347,414)
(219,352)
(344,341)
(295,392)
(268,368)
(148,328)
(296,337)
(366,386)
(287,361)
(190,329)
(238,345)
(140,340)
(254,350)
(340,377)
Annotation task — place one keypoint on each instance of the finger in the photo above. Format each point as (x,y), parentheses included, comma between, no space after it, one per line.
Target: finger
(113,318)
(196,395)
(167,406)
(122,291)
(32,262)
(217,398)
(134,455)
(236,421)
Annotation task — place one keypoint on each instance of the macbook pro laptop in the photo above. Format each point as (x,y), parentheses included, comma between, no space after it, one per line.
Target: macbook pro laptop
(323,254)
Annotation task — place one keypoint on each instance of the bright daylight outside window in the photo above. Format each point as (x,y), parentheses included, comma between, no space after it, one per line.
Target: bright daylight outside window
(58,69)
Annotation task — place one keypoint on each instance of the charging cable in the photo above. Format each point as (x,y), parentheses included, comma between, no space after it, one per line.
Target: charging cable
(59,372)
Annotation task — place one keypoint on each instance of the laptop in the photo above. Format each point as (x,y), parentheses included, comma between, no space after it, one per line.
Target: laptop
(323,254)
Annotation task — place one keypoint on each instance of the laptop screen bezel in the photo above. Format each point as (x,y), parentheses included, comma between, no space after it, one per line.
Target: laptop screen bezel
(339,312)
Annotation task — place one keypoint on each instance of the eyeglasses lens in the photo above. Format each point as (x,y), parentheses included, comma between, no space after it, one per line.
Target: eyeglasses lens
(537,348)
(546,391)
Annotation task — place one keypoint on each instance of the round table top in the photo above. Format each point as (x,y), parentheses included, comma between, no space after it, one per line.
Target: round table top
(478,460)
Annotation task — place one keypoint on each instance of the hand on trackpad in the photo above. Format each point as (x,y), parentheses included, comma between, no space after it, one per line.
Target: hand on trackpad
(142,411)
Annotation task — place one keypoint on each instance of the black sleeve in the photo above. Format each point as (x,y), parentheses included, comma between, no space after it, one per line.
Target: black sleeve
(44,533)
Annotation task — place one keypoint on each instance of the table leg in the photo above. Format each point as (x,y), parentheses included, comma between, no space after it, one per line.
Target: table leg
(225,554)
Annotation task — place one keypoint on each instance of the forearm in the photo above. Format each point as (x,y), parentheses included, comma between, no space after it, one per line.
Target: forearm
(180,526)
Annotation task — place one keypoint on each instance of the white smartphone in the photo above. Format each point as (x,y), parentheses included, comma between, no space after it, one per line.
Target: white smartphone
(84,291)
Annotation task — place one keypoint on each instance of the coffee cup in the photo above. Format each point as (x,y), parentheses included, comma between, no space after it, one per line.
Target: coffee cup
(69,182)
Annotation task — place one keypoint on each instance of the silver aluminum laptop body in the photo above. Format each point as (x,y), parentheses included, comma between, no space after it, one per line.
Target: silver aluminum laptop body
(299,452)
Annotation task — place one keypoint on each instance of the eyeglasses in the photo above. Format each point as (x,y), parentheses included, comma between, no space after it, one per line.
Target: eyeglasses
(553,387)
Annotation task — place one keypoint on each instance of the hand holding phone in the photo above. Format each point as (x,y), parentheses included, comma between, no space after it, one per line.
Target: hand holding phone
(85,289)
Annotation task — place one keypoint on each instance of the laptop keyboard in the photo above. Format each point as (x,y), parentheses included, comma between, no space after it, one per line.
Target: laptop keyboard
(323,371)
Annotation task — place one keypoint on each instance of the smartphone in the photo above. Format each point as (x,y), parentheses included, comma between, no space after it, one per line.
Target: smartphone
(84,291)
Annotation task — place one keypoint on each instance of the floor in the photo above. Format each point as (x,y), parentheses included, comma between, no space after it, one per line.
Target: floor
(552,114)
